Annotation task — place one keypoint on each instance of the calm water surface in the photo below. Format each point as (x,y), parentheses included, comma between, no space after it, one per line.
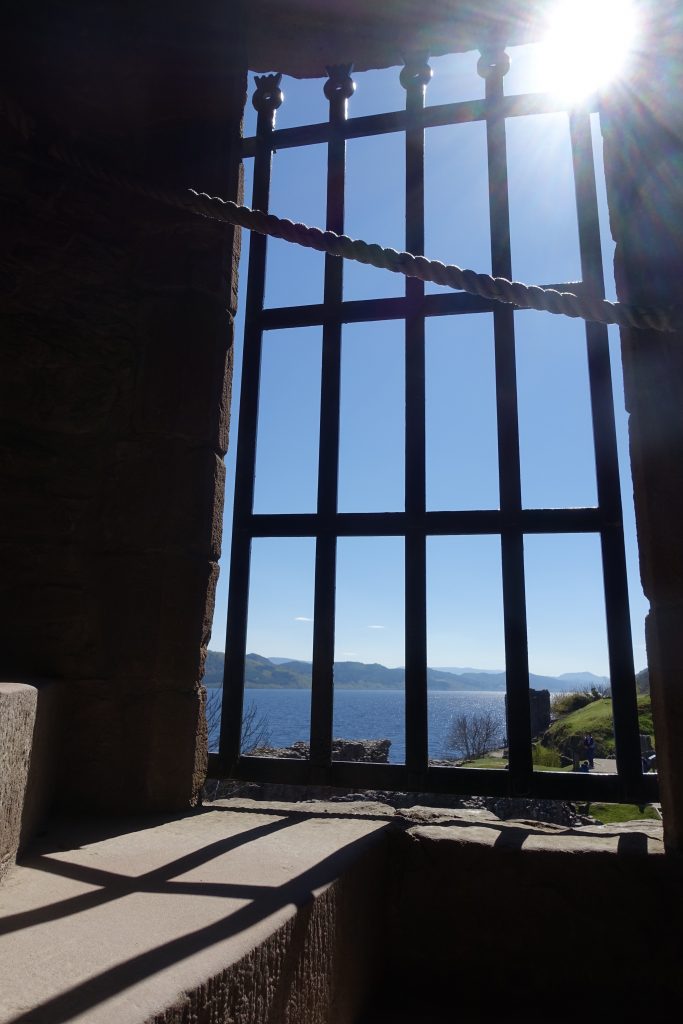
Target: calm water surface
(366,715)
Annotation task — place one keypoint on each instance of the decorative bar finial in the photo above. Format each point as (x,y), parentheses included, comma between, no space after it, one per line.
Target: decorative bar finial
(339,81)
(493,61)
(268,95)
(416,69)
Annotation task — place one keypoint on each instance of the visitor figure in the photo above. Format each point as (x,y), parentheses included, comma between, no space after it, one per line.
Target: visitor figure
(589,744)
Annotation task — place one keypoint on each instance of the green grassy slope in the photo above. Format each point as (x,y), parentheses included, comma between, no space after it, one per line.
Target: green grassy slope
(566,735)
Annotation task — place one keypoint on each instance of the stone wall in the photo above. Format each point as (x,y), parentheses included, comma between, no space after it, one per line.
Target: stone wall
(524,921)
(643,135)
(114,384)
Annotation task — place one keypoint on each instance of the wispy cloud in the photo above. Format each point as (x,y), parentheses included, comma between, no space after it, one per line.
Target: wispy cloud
(376,627)
(302,618)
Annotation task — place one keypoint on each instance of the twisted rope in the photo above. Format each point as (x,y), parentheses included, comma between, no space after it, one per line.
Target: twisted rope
(494,289)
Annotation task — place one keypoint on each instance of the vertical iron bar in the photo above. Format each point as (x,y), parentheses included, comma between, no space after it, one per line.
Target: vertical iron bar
(619,640)
(267,98)
(339,87)
(415,77)
(493,65)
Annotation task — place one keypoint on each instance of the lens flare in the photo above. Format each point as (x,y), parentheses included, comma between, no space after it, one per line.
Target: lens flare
(586,45)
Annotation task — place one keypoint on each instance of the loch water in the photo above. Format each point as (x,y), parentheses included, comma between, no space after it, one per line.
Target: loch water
(368,715)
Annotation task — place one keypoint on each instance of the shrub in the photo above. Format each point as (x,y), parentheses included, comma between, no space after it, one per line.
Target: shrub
(565,703)
(545,756)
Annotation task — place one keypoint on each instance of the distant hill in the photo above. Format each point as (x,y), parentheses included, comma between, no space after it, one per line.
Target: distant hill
(464,671)
(585,678)
(213,669)
(643,681)
(264,673)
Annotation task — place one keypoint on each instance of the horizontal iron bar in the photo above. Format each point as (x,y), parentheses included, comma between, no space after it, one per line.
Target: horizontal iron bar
(398,524)
(437,779)
(371,310)
(356,311)
(437,116)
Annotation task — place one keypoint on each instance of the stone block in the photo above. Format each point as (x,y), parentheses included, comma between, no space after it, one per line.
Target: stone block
(64,390)
(47,755)
(151,611)
(193,253)
(46,625)
(131,749)
(480,896)
(163,494)
(185,339)
(17,718)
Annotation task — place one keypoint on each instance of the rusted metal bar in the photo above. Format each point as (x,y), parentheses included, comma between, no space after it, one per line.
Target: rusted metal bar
(266,100)
(438,779)
(435,116)
(339,88)
(415,77)
(493,65)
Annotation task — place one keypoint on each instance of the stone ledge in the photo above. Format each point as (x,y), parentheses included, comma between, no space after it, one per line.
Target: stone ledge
(516,917)
(246,916)
(635,837)
(257,912)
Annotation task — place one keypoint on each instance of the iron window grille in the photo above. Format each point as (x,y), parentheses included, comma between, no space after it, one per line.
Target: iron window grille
(511,522)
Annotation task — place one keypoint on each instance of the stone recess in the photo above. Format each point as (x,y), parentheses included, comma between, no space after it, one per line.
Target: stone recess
(17,718)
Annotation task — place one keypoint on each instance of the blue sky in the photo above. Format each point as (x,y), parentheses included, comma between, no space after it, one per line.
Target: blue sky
(564,587)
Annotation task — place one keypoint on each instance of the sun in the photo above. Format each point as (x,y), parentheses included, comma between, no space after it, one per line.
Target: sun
(586,44)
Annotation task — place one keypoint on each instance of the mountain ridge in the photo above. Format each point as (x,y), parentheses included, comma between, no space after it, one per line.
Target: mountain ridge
(264,673)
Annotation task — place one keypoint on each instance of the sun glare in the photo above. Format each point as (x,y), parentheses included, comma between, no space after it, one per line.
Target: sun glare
(586,45)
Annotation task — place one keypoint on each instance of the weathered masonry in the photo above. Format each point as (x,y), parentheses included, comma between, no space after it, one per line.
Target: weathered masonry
(115,376)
